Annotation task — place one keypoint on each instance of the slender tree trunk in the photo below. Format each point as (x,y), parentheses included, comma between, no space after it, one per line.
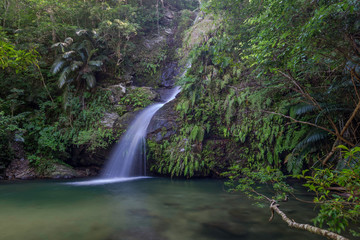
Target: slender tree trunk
(6,10)
(52,18)
(158,17)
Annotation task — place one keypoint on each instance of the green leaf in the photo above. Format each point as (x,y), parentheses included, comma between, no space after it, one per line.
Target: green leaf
(96,63)
(90,80)
(64,77)
(57,66)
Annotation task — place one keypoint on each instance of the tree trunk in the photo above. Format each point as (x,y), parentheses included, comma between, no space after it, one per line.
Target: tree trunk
(6,9)
(158,17)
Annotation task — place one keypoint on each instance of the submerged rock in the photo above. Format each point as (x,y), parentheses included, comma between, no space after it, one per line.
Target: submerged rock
(224,229)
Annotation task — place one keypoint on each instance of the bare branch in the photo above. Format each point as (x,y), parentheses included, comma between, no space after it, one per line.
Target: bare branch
(291,223)
(274,207)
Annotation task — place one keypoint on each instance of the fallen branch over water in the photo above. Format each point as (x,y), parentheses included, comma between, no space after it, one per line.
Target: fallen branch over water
(274,206)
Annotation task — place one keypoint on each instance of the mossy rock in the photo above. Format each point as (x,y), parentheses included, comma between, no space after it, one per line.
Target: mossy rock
(62,171)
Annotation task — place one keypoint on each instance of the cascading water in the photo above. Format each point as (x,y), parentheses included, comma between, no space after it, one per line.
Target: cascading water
(128,158)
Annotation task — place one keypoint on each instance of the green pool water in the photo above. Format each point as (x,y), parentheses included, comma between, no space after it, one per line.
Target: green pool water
(154,208)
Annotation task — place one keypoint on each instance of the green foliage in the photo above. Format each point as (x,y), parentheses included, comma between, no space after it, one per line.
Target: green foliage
(42,165)
(337,193)
(176,160)
(136,98)
(15,59)
(250,180)
(78,62)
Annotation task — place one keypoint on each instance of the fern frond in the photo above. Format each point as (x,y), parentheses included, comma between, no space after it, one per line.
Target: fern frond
(312,138)
(194,133)
(304,108)
(334,109)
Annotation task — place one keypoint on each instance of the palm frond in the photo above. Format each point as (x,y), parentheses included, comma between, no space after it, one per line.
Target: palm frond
(68,41)
(102,58)
(90,80)
(91,53)
(95,63)
(64,76)
(57,66)
(68,54)
(75,65)
(81,32)
(56,44)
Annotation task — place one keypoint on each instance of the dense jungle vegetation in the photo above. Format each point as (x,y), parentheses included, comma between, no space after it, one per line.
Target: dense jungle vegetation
(270,91)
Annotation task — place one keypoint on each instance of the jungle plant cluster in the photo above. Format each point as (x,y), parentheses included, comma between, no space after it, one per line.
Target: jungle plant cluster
(57,59)
(281,79)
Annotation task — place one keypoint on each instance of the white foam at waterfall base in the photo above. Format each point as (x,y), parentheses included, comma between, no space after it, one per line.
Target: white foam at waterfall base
(106,181)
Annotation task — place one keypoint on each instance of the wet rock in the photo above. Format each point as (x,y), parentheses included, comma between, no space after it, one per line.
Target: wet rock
(152,43)
(109,120)
(149,92)
(117,92)
(90,171)
(89,163)
(169,17)
(168,75)
(124,121)
(62,171)
(169,31)
(169,14)
(163,125)
(20,169)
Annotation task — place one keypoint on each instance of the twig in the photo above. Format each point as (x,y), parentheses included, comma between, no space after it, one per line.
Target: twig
(43,81)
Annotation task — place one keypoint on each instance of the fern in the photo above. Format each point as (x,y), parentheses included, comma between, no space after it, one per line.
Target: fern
(303,108)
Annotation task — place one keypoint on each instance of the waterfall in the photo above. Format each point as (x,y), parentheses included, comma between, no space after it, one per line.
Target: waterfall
(128,157)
